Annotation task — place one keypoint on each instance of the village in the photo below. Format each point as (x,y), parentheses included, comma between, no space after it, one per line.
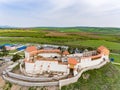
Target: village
(49,65)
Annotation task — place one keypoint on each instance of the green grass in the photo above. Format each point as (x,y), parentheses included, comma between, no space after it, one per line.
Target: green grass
(85,37)
(13,51)
(17,67)
(116,57)
(113,46)
(7,86)
(96,30)
(32,88)
(97,43)
(21,33)
(105,78)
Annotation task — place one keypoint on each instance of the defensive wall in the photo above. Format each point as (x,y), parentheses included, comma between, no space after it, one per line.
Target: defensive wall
(34,81)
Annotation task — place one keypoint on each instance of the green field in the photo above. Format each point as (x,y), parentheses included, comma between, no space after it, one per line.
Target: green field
(116,57)
(81,37)
(105,78)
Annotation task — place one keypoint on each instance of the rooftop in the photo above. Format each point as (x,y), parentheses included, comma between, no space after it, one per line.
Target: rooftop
(31,48)
(72,61)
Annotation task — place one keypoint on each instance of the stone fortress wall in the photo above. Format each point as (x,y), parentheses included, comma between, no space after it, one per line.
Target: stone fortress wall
(28,81)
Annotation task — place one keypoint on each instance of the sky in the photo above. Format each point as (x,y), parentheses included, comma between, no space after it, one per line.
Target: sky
(60,13)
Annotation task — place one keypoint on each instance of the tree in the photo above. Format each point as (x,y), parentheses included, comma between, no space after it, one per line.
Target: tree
(71,50)
(16,57)
(1,54)
(4,52)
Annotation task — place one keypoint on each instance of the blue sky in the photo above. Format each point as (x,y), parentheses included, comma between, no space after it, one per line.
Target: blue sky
(29,13)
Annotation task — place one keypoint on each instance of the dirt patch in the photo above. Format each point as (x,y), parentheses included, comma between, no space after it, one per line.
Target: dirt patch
(15,87)
(55,33)
(84,34)
(52,88)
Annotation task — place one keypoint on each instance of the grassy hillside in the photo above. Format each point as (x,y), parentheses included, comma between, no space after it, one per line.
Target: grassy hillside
(105,78)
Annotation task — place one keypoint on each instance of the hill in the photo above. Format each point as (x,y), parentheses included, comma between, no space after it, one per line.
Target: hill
(105,78)
(96,30)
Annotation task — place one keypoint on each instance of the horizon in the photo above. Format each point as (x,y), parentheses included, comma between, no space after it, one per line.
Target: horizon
(60,13)
(7,26)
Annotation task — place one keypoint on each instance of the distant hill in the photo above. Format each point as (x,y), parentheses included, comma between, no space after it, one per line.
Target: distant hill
(5,26)
(96,30)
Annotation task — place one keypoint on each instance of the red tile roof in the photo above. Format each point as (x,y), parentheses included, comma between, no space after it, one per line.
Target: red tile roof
(103,50)
(66,52)
(96,56)
(49,51)
(31,48)
(72,61)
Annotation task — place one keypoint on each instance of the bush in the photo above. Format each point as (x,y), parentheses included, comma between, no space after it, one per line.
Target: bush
(7,86)
(16,57)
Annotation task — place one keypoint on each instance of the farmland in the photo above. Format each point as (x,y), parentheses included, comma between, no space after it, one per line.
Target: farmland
(105,78)
(81,37)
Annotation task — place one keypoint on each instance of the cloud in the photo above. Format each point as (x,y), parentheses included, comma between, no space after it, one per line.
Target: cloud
(60,12)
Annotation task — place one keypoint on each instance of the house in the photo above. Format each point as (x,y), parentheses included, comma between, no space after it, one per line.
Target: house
(39,61)
(9,46)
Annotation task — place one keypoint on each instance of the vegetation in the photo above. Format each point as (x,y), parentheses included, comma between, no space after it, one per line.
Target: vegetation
(16,68)
(37,88)
(116,57)
(16,57)
(4,52)
(81,37)
(32,88)
(105,78)
(7,86)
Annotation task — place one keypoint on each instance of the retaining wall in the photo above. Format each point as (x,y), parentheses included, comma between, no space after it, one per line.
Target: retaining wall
(22,77)
(23,83)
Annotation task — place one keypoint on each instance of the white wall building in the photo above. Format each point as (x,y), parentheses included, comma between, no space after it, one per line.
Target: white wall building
(74,61)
